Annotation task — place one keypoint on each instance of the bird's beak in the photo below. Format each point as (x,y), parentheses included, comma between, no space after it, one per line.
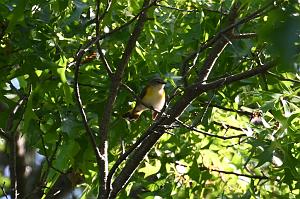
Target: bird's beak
(163,82)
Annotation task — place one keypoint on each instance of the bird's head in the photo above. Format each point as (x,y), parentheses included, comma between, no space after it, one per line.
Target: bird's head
(157,82)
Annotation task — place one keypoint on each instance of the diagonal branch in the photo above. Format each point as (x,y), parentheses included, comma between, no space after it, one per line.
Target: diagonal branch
(153,134)
(104,61)
(177,9)
(227,126)
(219,46)
(125,155)
(99,37)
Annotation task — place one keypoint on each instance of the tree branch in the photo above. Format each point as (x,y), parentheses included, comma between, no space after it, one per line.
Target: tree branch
(231,78)
(174,8)
(124,156)
(282,78)
(194,10)
(219,46)
(104,61)
(98,21)
(104,187)
(136,158)
(3,191)
(3,134)
(237,174)
(81,110)
(49,160)
(209,134)
(101,17)
(99,37)
(244,36)
(227,109)
(226,126)
(11,128)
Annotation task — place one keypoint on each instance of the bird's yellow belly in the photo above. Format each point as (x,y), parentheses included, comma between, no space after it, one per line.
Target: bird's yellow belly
(155,99)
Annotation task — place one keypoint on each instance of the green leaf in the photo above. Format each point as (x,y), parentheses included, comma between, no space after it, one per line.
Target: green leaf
(66,154)
(194,171)
(265,156)
(149,169)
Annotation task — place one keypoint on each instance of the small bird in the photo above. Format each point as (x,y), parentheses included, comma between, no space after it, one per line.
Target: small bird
(153,96)
(256,118)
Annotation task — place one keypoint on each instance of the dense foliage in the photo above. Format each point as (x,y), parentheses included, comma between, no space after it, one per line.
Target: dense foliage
(71,69)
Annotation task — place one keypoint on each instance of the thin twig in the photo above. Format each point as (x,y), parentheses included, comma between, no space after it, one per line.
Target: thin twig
(227,109)
(244,36)
(81,110)
(194,10)
(227,126)
(104,61)
(195,123)
(174,8)
(101,17)
(3,190)
(3,134)
(208,134)
(282,78)
(98,21)
(237,174)
(49,161)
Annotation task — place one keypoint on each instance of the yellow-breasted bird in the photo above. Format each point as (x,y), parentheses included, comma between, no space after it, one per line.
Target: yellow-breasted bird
(153,96)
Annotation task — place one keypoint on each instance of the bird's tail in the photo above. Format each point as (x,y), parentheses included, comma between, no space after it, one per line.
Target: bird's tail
(132,115)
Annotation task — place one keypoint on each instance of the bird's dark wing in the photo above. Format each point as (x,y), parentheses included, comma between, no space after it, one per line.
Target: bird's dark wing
(143,93)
